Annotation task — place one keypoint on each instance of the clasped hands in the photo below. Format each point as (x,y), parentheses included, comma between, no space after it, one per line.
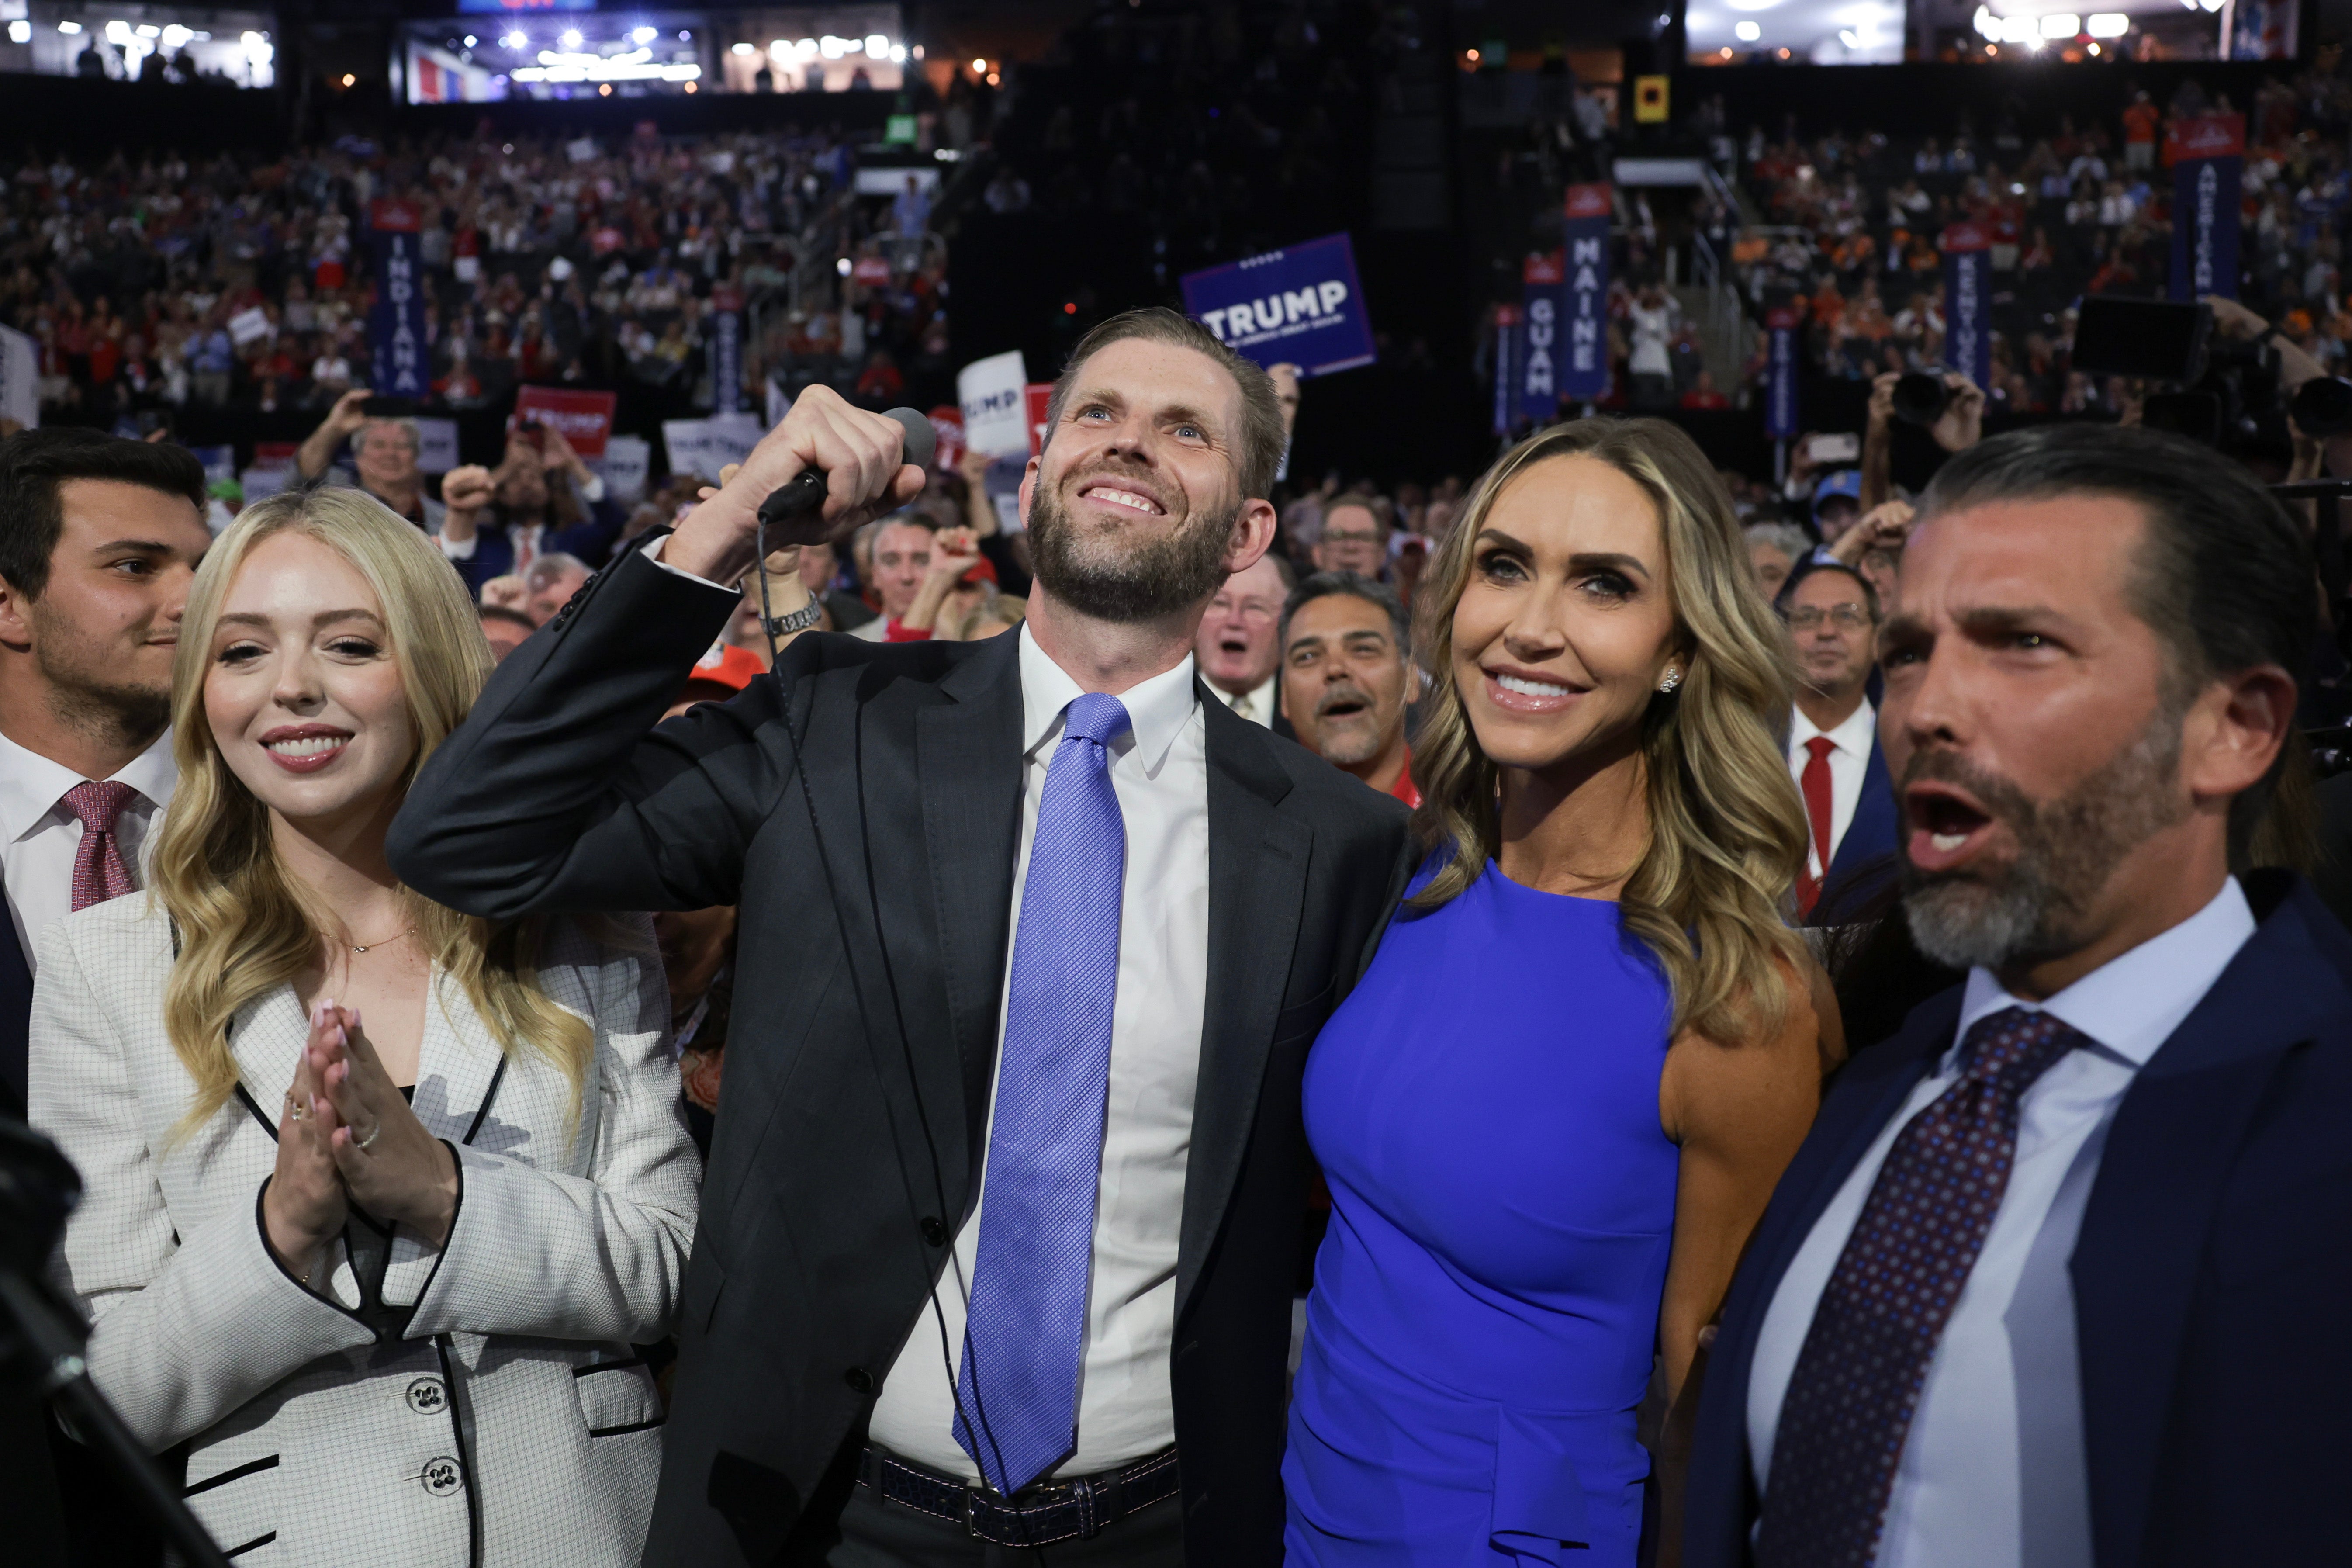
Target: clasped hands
(348,1138)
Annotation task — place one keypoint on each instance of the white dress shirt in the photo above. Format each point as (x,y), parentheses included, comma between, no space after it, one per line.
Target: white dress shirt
(1848,761)
(1256,704)
(1159,773)
(1992,1471)
(39,836)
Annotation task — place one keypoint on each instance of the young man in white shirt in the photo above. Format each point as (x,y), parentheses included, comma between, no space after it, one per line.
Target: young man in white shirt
(1833,755)
(99,542)
(2055,1278)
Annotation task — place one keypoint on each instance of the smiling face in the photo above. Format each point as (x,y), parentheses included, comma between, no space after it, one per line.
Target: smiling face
(384,458)
(102,633)
(1344,679)
(1134,505)
(1565,626)
(301,691)
(1235,649)
(2026,724)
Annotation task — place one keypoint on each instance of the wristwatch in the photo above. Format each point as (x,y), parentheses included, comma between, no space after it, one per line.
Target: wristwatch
(800,620)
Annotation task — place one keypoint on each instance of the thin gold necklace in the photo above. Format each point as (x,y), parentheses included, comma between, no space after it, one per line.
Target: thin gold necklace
(359,947)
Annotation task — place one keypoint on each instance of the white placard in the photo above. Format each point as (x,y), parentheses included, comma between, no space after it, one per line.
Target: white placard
(995,416)
(20,378)
(779,402)
(703,446)
(437,445)
(247,325)
(623,467)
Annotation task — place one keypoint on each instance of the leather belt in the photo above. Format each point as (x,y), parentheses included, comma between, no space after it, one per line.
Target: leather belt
(1073,1510)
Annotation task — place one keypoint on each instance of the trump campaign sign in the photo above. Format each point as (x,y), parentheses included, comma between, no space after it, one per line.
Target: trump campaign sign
(1301,305)
(585,418)
(994,395)
(2209,161)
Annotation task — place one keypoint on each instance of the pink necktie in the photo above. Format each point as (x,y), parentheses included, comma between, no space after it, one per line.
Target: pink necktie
(98,871)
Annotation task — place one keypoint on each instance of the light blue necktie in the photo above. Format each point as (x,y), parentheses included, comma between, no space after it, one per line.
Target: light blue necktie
(1024,1338)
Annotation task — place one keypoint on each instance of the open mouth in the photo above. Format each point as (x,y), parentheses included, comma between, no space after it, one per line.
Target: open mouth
(1347,706)
(1237,646)
(1946,825)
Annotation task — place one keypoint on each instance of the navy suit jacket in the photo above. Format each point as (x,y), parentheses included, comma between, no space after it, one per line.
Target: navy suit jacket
(2211,1276)
(1864,862)
(591,538)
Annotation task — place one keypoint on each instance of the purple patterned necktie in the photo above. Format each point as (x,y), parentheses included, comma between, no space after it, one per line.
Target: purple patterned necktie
(1024,1338)
(1858,1378)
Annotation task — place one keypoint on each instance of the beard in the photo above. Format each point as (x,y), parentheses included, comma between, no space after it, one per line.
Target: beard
(2037,905)
(88,691)
(1100,575)
(1356,739)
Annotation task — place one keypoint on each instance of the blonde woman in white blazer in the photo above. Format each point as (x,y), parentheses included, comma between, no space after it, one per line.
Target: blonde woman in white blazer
(390,1331)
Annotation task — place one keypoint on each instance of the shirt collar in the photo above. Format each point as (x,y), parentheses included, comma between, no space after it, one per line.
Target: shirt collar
(1157,708)
(2131,1004)
(31,784)
(1854,734)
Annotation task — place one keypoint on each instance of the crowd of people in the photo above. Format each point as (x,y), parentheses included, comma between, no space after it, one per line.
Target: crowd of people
(248,282)
(438,999)
(1847,228)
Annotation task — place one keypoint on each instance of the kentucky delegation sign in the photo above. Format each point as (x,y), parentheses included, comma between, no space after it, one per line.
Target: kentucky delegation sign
(1301,304)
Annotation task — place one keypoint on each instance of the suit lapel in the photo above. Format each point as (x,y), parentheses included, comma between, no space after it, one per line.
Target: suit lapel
(968,754)
(266,1037)
(1258,882)
(2144,1229)
(458,1065)
(1873,832)
(1865,1096)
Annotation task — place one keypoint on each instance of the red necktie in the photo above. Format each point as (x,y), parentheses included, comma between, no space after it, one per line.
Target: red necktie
(98,871)
(1815,784)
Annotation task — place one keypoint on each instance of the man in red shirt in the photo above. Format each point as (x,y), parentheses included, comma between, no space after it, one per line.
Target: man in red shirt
(1347,676)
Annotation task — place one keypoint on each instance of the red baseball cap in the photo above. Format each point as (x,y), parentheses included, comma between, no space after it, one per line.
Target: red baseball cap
(727,666)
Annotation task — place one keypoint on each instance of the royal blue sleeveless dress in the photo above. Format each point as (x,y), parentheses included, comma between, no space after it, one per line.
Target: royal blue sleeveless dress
(1485,1305)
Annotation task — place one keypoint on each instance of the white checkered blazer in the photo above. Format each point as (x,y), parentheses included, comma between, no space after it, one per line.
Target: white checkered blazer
(482,1403)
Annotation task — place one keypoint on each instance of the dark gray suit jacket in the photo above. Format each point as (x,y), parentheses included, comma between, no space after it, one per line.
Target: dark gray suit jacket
(870,971)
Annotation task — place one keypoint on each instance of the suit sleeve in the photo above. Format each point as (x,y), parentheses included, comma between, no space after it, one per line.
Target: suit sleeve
(594,1257)
(558,792)
(189,1325)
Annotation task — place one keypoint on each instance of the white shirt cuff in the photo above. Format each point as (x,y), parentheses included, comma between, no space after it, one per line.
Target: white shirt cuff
(456,549)
(653,552)
(591,489)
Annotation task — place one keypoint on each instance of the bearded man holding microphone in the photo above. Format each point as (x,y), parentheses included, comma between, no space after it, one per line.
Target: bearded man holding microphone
(1003,1204)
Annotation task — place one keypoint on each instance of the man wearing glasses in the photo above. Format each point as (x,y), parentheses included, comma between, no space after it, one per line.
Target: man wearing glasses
(1355,539)
(1833,614)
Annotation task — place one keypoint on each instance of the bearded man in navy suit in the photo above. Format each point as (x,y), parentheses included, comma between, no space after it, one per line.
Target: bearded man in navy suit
(2059,1277)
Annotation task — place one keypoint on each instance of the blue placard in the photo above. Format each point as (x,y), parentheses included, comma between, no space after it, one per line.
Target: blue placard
(1510,345)
(1542,314)
(1780,419)
(2210,161)
(726,359)
(1967,301)
(396,326)
(1584,347)
(1301,304)
(522,7)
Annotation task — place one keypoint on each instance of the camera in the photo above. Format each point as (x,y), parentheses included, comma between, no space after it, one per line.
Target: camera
(1920,398)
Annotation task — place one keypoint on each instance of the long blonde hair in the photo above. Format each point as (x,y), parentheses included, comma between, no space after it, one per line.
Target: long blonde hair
(242,927)
(1727,827)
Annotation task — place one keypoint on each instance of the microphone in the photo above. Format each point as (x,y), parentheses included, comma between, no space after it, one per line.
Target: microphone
(805,491)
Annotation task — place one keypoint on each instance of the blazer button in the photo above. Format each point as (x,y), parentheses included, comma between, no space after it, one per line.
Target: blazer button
(427,1397)
(441,1476)
(859,1379)
(933,1231)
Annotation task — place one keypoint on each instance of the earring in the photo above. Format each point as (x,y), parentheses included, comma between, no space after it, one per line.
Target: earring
(1673,678)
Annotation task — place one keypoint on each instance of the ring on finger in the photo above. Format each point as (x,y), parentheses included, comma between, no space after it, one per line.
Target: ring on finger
(369,1141)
